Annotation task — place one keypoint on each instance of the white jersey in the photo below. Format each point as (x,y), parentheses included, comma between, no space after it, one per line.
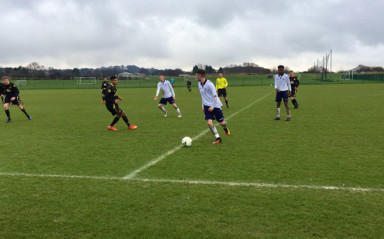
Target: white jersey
(166,88)
(282,82)
(209,95)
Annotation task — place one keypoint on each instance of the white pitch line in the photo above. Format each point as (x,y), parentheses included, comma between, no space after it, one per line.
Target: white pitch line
(172,151)
(197,182)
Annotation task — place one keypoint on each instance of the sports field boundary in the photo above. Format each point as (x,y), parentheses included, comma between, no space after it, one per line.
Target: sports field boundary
(195,182)
(177,148)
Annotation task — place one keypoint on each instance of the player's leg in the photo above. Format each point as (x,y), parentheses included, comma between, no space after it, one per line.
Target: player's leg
(114,109)
(161,107)
(214,131)
(6,109)
(285,97)
(294,101)
(177,109)
(125,118)
(21,107)
(225,96)
(218,113)
(278,103)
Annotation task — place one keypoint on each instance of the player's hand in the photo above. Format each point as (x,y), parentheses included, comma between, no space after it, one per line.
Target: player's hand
(174,98)
(13,98)
(210,109)
(202,110)
(116,101)
(155,98)
(120,98)
(277,90)
(296,89)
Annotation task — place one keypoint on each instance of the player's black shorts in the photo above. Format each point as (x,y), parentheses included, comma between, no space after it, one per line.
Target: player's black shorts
(282,95)
(164,101)
(113,108)
(217,114)
(8,100)
(222,92)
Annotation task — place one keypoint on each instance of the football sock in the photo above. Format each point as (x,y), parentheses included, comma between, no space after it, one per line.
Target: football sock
(294,102)
(163,109)
(7,113)
(278,112)
(115,120)
(224,127)
(125,118)
(226,102)
(25,112)
(178,110)
(288,113)
(214,132)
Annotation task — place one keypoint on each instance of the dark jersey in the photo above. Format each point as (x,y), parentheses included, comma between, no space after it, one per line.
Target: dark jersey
(10,90)
(104,85)
(110,93)
(294,82)
(2,89)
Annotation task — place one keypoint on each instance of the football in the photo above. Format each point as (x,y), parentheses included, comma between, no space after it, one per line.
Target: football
(186,141)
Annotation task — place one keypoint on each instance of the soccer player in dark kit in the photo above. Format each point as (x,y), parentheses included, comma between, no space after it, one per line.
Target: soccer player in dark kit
(111,102)
(294,85)
(12,96)
(103,88)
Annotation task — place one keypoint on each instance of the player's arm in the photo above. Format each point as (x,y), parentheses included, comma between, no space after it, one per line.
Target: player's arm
(15,92)
(157,92)
(214,94)
(277,90)
(225,83)
(289,84)
(217,84)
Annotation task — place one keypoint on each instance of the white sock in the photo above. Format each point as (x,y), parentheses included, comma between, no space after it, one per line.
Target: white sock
(178,110)
(278,112)
(214,132)
(163,109)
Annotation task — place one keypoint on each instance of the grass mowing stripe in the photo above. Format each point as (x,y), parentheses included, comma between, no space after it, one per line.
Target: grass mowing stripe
(172,151)
(197,182)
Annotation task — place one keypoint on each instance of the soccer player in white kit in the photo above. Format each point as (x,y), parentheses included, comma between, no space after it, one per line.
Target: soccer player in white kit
(211,105)
(168,96)
(283,87)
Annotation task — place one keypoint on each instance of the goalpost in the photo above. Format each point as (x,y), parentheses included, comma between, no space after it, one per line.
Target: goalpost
(86,80)
(21,82)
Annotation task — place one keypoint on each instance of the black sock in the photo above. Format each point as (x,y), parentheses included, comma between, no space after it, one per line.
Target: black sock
(125,118)
(226,102)
(7,113)
(294,102)
(115,120)
(25,112)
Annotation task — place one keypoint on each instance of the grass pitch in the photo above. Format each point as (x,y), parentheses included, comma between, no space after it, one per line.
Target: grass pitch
(62,173)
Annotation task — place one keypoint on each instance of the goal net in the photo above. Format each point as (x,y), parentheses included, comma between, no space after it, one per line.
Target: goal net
(21,82)
(86,80)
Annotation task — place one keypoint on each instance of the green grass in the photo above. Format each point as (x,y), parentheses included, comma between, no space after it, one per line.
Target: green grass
(234,80)
(334,139)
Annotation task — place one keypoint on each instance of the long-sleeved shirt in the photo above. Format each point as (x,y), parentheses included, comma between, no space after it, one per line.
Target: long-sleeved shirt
(208,94)
(10,90)
(221,83)
(166,88)
(282,83)
(110,93)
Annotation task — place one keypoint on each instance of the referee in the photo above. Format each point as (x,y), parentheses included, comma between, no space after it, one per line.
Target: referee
(221,88)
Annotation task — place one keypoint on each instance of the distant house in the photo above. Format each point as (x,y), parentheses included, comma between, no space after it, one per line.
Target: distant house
(126,75)
(140,74)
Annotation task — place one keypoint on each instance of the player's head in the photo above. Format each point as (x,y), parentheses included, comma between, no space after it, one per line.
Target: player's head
(200,74)
(220,74)
(161,77)
(105,78)
(113,80)
(280,69)
(291,74)
(5,80)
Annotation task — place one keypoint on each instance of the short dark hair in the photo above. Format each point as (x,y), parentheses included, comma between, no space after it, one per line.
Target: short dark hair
(112,77)
(201,72)
(280,67)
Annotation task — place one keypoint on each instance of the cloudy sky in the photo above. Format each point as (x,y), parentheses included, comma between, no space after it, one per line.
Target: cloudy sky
(182,33)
